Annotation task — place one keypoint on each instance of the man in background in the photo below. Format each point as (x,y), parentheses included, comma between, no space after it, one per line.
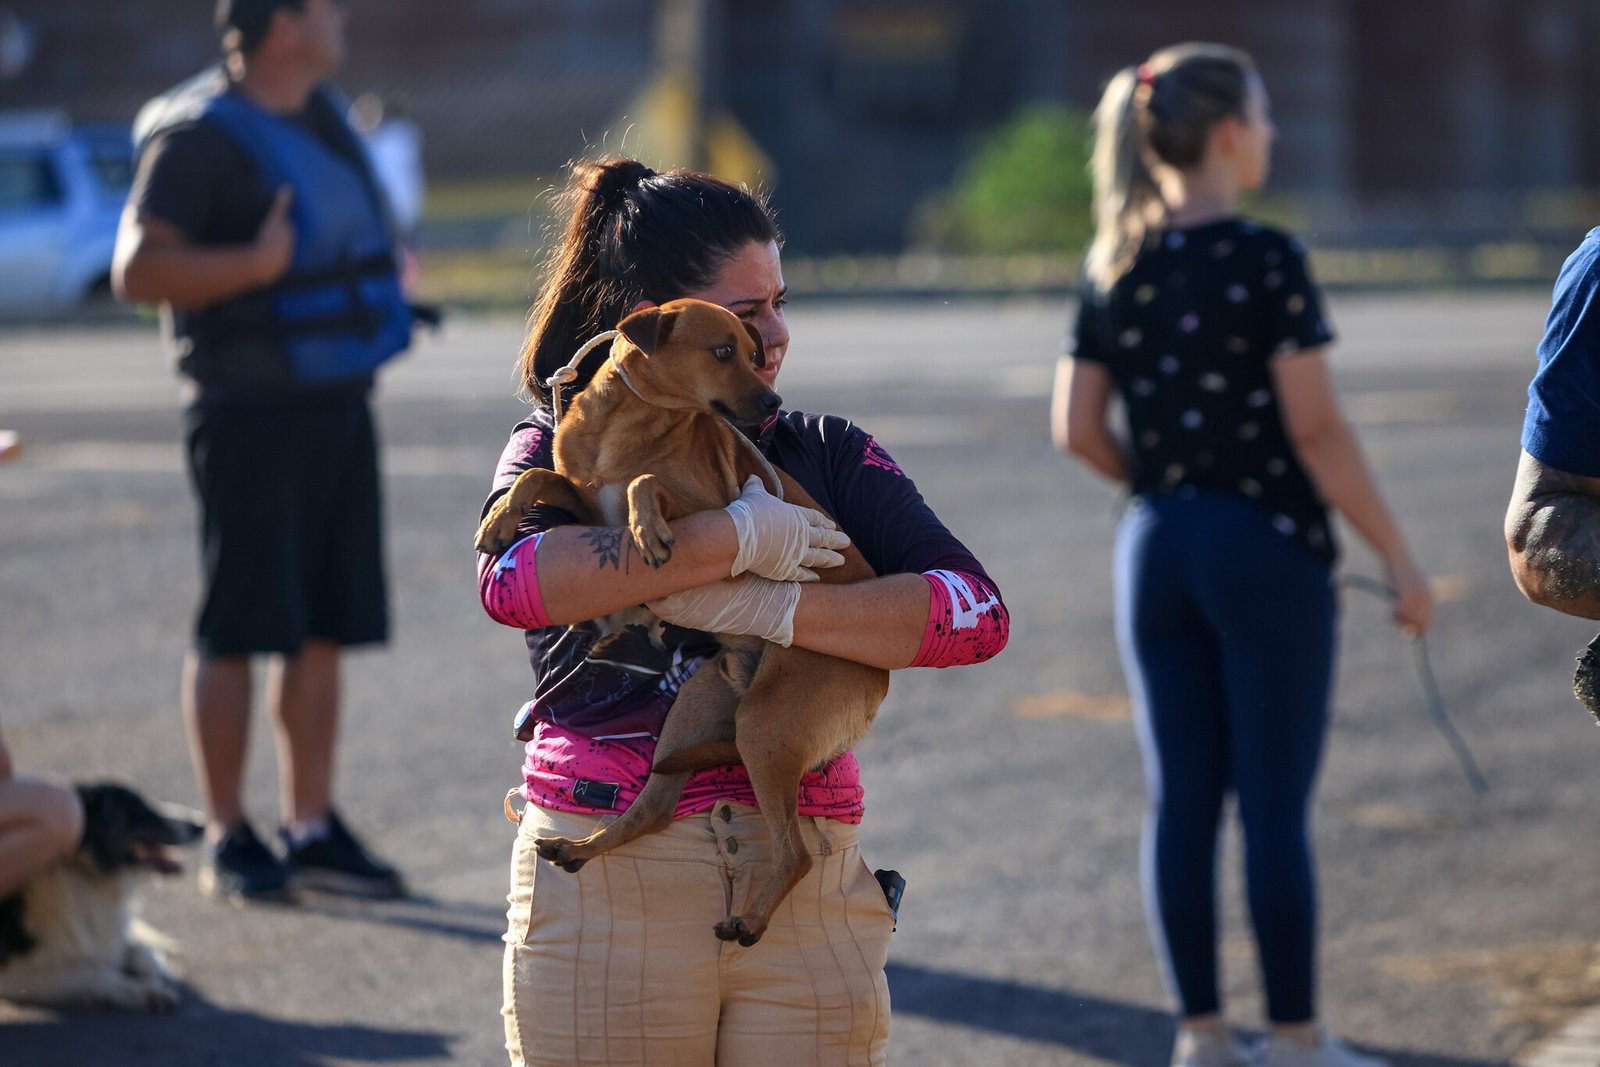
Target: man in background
(256,223)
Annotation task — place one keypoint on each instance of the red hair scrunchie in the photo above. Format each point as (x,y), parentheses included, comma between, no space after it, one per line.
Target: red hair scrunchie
(1147,76)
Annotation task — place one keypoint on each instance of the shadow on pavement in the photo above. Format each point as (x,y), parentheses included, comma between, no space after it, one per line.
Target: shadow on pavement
(1090,1025)
(424,915)
(200,1033)
(1109,1030)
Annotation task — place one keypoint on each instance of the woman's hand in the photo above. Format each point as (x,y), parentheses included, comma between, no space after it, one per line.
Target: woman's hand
(781,541)
(1413,600)
(748,604)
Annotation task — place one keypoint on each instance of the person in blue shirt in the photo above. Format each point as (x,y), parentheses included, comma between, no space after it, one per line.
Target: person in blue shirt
(1553,523)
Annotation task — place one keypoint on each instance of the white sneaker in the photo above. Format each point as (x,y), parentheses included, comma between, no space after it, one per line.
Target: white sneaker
(1208,1050)
(1330,1053)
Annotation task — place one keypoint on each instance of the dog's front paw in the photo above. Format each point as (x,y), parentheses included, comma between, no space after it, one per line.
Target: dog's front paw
(555,849)
(498,531)
(734,928)
(654,542)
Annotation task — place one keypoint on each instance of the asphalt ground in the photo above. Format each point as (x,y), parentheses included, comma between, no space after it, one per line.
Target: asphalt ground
(1457,929)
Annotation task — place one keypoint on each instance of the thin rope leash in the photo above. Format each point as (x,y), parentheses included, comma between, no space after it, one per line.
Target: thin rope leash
(1430,687)
(569,373)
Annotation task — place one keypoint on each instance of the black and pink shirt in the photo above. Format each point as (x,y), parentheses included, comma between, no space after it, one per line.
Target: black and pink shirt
(597,721)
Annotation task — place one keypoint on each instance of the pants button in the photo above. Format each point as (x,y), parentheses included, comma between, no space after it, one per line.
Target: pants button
(733,844)
(726,813)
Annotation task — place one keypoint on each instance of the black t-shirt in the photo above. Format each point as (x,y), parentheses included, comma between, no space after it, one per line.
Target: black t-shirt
(1188,335)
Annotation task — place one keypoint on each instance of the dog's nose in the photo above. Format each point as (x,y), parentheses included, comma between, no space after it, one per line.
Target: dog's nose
(772,401)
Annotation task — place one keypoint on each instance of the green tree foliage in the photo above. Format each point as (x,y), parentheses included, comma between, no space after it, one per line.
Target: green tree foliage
(1025,189)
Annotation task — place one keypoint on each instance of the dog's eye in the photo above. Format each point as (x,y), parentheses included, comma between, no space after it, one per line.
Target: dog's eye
(723,353)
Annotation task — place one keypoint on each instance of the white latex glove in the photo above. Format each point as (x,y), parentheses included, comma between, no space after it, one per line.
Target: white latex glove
(782,541)
(748,604)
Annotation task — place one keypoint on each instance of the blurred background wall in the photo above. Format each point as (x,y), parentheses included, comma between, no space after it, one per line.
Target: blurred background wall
(1456,119)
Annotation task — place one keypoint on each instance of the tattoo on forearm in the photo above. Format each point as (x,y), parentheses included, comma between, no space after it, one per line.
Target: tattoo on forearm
(1555,528)
(1562,543)
(607,546)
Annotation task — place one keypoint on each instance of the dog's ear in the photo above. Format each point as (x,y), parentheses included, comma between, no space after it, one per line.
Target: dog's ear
(760,356)
(648,329)
(104,820)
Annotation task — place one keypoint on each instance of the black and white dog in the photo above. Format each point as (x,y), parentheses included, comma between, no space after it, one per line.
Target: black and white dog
(69,937)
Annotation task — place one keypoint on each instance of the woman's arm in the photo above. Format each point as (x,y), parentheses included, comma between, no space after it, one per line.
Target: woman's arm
(956,618)
(585,572)
(1553,538)
(879,622)
(927,619)
(569,574)
(1078,426)
(1327,449)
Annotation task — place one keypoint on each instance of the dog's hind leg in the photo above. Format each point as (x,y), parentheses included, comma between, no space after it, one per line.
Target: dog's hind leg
(778,748)
(802,710)
(701,715)
(650,811)
(775,775)
(699,731)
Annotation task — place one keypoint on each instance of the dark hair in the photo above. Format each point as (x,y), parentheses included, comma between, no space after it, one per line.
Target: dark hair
(244,23)
(1159,113)
(633,235)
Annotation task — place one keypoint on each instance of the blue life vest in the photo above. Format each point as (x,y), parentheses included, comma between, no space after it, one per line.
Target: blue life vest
(339,312)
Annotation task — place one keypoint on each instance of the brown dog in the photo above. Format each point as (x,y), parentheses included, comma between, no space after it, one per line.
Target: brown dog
(656,429)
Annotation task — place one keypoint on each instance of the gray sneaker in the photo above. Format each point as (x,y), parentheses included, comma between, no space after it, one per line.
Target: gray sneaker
(1207,1050)
(1330,1052)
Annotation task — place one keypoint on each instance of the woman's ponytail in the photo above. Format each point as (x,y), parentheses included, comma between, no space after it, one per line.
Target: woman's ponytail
(1158,113)
(572,305)
(1127,204)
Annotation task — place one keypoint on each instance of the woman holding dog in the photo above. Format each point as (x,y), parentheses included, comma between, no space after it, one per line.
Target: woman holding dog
(617,963)
(1208,327)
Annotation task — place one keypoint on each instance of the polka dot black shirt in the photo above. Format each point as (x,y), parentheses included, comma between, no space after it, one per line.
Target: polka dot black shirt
(1188,336)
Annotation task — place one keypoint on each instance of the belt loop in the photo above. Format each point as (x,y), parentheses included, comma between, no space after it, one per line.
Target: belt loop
(512,814)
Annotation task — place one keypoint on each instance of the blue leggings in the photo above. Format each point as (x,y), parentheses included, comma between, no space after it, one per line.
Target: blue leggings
(1227,632)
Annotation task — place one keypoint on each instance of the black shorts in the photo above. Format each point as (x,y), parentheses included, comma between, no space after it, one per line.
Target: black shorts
(291,526)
